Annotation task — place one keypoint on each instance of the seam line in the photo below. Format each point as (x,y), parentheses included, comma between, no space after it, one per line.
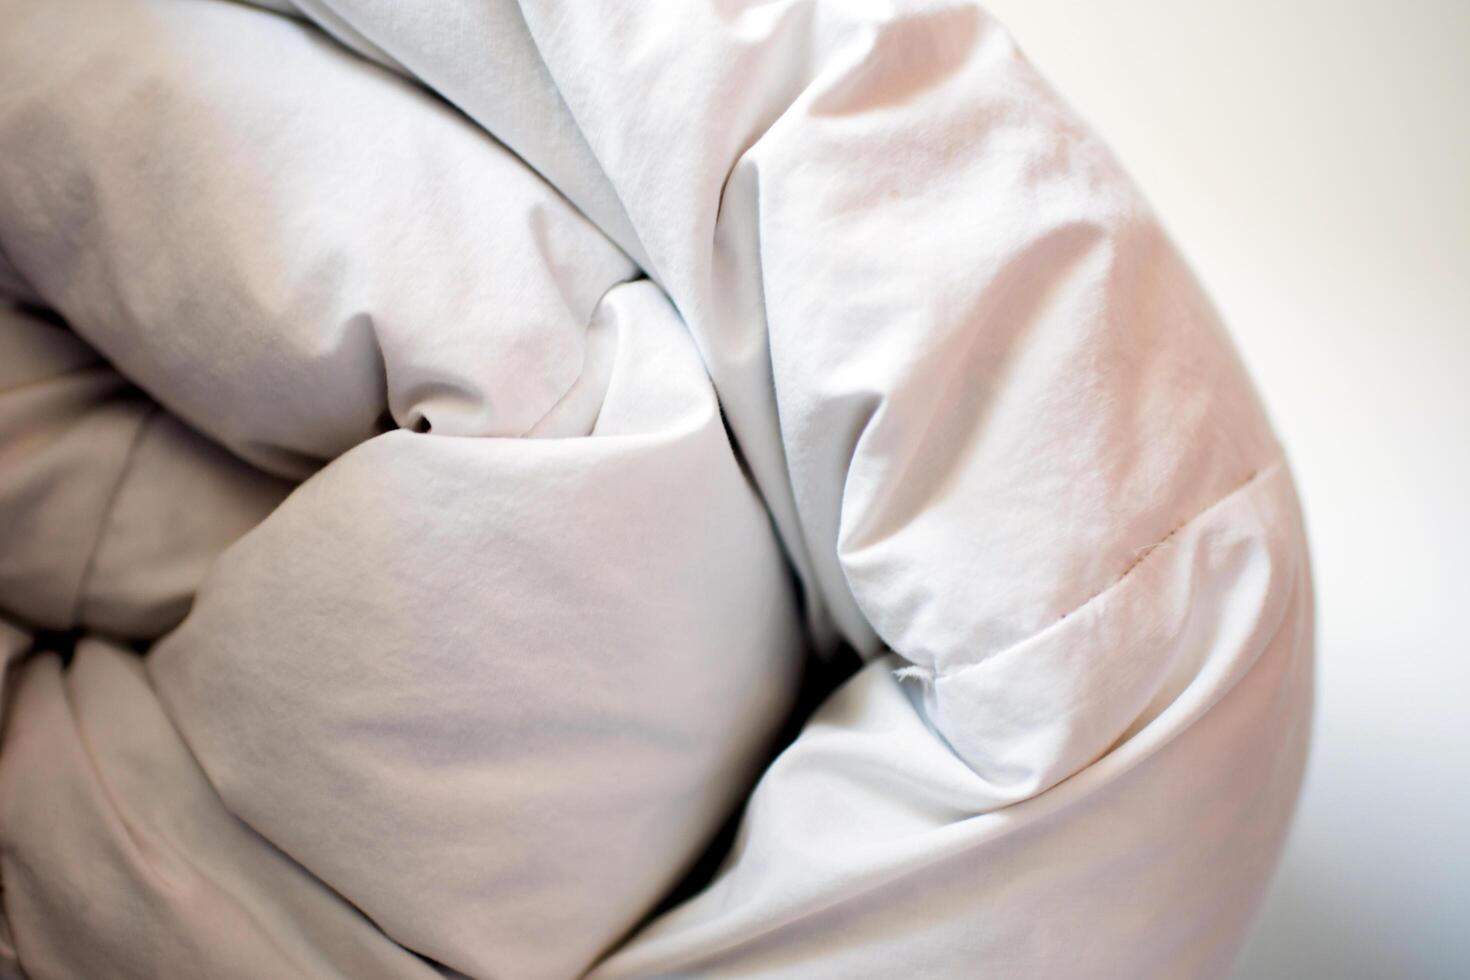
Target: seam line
(1140,556)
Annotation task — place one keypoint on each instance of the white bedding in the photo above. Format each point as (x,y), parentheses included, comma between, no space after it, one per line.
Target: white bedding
(478,415)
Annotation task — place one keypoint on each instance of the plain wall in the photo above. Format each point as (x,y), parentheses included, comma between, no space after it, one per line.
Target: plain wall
(1312,159)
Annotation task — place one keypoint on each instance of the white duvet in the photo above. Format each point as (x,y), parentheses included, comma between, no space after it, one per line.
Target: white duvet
(480,417)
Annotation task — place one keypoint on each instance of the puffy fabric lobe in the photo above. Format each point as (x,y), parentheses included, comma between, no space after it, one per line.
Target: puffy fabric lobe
(107,823)
(870,848)
(620,561)
(282,265)
(507,687)
(67,425)
(111,510)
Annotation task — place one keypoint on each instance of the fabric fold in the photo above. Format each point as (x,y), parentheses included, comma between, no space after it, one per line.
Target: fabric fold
(708,336)
(108,824)
(290,265)
(507,688)
(110,509)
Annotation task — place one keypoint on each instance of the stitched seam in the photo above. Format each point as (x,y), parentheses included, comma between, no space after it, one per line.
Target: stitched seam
(1140,556)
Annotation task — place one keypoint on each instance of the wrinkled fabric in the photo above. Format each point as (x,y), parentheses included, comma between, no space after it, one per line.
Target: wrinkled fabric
(433,438)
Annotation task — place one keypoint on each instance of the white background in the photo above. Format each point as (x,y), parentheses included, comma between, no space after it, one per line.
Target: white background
(1312,159)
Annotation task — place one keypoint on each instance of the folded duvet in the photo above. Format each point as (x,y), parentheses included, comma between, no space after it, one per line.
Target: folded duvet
(437,440)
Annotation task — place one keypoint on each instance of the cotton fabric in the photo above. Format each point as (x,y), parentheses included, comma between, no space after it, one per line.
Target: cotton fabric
(479,412)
